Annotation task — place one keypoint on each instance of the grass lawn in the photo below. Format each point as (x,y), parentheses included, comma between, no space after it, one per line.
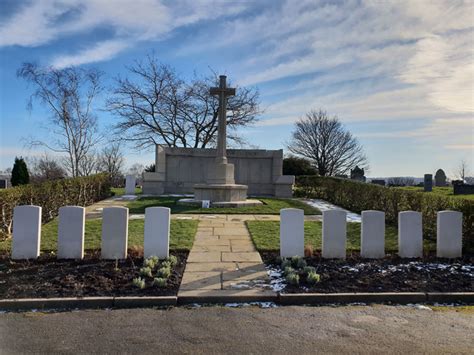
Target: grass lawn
(181,235)
(442,191)
(270,206)
(266,236)
(119,191)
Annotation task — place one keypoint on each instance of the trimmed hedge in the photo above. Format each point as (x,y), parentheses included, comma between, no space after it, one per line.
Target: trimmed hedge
(51,195)
(357,197)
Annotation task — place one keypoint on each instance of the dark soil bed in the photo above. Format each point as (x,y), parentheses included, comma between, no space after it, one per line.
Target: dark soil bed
(50,277)
(391,274)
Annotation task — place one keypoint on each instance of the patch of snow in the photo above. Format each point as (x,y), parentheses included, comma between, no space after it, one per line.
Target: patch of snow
(326,206)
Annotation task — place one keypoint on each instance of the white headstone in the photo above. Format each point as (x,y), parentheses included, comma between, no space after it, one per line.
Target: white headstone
(206,204)
(291,232)
(157,232)
(114,233)
(449,236)
(410,234)
(26,232)
(130,181)
(372,243)
(334,234)
(71,232)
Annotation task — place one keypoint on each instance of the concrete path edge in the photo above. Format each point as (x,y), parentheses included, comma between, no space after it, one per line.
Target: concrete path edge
(283,299)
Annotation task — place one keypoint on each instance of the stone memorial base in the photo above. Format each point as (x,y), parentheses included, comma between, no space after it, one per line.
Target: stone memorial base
(221,195)
(223,204)
(220,192)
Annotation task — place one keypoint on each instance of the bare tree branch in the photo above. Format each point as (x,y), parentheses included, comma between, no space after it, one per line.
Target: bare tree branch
(69,94)
(324,141)
(159,107)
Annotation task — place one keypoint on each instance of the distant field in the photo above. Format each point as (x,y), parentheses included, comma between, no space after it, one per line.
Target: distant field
(443,191)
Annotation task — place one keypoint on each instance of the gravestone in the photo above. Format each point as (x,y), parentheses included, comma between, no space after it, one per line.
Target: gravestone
(71,232)
(26,232)
(291,232)
(428,183)
(114,233)
(410,234)
(157,232)
(460,188)
(449,234)
(373,234)
(440,178)
(130,181)
(3,183)
(334,234)
(358,174)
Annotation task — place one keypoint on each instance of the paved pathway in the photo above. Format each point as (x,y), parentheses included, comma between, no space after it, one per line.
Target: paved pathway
(224,261)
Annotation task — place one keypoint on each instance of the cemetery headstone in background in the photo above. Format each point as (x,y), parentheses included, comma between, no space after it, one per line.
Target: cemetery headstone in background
(3,183)
(428,183)
(440,178)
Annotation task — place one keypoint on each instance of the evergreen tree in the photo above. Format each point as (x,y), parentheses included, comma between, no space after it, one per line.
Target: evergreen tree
(20,174)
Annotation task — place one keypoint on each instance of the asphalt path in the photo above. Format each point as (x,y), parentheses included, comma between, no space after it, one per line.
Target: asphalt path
(217,330)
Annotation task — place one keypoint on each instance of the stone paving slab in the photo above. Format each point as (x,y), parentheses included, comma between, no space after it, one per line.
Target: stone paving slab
(223,259)
(241,256)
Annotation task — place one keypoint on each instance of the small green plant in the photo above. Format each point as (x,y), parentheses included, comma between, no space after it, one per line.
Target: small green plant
(149,263)
(309,269)
(159,282)
(173,260)
(313,278)
(166,264)
(164,272)
(288,270)
(139,282)
(298,262)
(146,271)
(293,279)
(155,259)
(285,263)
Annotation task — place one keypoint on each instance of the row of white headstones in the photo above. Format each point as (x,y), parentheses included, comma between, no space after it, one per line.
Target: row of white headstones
(114,241)
(372,245)
(71,230)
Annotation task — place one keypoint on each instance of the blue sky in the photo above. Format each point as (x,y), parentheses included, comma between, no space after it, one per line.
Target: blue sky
(400,75)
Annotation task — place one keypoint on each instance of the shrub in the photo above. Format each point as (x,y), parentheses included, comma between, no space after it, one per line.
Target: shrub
(51,195)
(288,270)
(145,271)
(309,269)
(166,264)
(298,262)
(139,282)
(150,263)
(293,279)
(357,196)
(285,263)
(313,278)
(173,260)
(159,282)
(164,272)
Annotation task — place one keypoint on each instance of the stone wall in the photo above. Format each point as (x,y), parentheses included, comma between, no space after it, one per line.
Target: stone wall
(179,169)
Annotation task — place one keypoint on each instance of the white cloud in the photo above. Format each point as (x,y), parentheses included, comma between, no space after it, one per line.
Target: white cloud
(44,21)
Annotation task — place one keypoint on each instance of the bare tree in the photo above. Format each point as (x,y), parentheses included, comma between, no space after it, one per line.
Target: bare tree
(46,168)
(158,107)
(69,94)
(88,165)
(325,142)
(462,170)
(111,161)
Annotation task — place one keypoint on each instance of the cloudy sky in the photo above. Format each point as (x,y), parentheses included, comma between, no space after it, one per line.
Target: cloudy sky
(400,75)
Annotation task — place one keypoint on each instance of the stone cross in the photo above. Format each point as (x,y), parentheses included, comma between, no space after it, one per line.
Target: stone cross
(222,92)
